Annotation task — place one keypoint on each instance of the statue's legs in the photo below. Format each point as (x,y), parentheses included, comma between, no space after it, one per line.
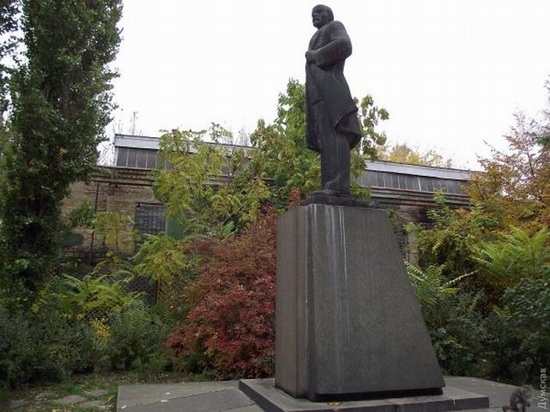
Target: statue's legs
(335,154)
(335,165)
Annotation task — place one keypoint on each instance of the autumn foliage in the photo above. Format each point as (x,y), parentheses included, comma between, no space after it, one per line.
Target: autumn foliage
(514,187)
(230,330)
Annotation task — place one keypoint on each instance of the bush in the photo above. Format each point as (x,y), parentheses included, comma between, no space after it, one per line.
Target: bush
(516,255)
(229,332)
(42,346)
(520,331)
(15,348)
(47,346)
(61,348)
(459,336)
(93,296)
(135,339)
(79,325)
(455,324)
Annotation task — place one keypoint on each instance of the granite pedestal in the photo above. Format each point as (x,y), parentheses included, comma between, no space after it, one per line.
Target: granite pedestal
(348,323)
(271,399)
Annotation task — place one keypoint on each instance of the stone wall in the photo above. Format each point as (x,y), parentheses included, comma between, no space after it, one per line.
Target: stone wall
(121,189)
(111,189)
(128,191)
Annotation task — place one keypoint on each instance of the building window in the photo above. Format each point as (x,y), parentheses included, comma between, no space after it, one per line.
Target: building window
(140,158)
(149,218)
(122,156)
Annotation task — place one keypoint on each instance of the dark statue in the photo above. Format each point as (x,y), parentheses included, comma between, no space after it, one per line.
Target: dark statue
(332,125)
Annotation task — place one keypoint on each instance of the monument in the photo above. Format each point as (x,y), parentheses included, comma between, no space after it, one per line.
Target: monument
(348,326)
(332,125)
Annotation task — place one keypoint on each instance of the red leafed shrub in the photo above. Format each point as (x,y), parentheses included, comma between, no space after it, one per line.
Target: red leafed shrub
(230,329)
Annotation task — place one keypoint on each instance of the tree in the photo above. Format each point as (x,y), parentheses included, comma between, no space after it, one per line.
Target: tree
(510,207)
(217,192)
(502,240)
(402,153)
(61,104)
(515,185)
(9,10)
(207,186)
(451,237)
(279,151)
(280,154)
(230,328)
(211,186)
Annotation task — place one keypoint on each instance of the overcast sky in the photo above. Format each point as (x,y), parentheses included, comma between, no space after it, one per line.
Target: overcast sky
(451,72)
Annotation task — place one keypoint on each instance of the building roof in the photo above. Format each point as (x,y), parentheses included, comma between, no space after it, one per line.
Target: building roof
(418,170)
(137,142)
(393,182)
(152,143)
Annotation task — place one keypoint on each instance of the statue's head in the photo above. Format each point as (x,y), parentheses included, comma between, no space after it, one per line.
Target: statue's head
(321,15)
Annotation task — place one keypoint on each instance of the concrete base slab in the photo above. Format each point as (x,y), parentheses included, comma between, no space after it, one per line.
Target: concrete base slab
(271,399)
(192,397)
(162,397)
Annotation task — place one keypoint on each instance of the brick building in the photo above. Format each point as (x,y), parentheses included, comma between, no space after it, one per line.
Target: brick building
(125,187)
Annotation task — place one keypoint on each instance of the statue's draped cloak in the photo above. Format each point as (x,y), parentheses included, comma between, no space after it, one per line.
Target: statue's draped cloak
(327,91)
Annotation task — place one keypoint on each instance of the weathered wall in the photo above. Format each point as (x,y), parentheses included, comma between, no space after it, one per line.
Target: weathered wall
(119,189)
(112,189)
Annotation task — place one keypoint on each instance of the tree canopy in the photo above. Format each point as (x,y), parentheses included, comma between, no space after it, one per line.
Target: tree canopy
(402,153)
(515,184)
(277,164)
(61,104)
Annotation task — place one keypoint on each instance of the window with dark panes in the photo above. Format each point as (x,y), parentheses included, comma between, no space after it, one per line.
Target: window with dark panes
(149,218)
(151,159)
(122,156)
(132,158)
(141,158)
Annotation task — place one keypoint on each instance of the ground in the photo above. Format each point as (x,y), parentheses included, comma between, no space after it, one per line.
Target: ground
(82,393)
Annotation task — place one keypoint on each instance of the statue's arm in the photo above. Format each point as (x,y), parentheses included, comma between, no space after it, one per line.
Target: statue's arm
(337,49)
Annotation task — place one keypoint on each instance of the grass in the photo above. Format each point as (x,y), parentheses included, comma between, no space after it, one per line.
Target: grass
(42,397)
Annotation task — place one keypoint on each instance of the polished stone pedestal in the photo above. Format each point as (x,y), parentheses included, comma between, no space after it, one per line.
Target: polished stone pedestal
(348,324)
(271,399)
